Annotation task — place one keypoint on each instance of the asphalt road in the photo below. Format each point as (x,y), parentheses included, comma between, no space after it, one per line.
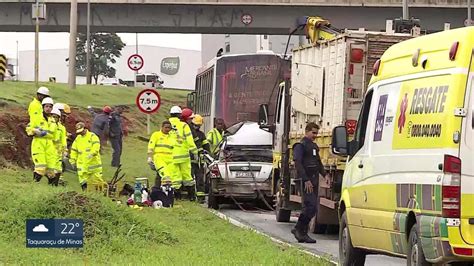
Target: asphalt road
(327,245)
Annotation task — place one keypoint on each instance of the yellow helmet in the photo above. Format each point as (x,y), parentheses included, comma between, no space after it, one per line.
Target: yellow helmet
(198,120)
(67,109)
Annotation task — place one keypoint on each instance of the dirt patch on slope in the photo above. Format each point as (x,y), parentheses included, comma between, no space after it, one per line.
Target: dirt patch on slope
(15,145)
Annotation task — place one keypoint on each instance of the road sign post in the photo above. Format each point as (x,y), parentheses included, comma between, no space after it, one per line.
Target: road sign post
(148,101)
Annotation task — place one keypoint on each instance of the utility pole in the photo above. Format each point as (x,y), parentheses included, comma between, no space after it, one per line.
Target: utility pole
(37,43)
(405,9)
(17,62)
(136,42)
(148,118)
(72,45)
(469,21)
(88,53)
(136,52)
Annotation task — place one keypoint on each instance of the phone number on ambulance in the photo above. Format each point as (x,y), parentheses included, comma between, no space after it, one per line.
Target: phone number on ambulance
(425,130)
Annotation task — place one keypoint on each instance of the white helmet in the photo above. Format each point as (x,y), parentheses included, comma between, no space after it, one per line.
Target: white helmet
(56,111)
(47,100)
(59,106)
(43,91)
(176,110)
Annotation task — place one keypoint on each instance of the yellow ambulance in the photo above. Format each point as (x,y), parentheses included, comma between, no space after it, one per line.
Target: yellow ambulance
(408,186)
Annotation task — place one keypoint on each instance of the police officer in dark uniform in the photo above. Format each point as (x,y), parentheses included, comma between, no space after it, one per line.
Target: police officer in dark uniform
(116,135)
(308,168)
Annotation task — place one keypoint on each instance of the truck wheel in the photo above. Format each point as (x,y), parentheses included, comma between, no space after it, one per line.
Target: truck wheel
(415,255)
(282,215)
(348,255)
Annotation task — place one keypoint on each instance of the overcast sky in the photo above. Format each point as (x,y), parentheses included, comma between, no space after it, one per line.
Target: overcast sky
(26,41)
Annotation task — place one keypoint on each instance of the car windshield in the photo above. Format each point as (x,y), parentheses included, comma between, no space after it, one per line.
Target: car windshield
(234,153)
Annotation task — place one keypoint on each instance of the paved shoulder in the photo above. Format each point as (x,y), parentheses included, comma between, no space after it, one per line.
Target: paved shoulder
(327,245)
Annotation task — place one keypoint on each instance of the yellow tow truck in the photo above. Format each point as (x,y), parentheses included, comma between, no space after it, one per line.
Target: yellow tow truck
(328,80)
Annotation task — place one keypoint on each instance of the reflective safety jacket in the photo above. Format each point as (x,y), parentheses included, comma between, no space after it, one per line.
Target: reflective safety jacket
(184,143)
(161,146)
(46,125)
(43,151)
(35,110)
(60,140)
(214,137)
(85,153)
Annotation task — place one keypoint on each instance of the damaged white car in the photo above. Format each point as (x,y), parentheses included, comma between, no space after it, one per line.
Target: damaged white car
(243,169)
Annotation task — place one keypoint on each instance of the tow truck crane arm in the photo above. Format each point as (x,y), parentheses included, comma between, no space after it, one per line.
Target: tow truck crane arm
(318,28)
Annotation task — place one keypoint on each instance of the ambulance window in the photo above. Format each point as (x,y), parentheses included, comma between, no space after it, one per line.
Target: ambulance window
(363,119)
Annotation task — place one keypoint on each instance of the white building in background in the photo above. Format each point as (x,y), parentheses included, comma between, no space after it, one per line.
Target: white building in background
(51,64)
(176,67)
(241,44)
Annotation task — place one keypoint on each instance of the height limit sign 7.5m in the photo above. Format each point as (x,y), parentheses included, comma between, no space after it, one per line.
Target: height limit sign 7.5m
(148,101)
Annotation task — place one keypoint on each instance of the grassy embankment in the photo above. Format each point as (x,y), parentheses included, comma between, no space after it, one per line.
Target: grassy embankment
(185,235)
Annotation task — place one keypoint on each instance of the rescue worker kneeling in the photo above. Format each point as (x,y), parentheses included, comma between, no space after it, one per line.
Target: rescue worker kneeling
(162,195)
(85,157)
(43,152)
(160,155)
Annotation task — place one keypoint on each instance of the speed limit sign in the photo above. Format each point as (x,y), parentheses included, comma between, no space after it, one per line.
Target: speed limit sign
(148,101)
(135,62)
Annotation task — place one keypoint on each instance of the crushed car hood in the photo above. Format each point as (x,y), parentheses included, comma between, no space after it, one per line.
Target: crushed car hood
(250,133)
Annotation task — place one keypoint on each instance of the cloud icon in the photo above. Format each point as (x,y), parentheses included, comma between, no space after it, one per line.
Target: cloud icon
(40,229)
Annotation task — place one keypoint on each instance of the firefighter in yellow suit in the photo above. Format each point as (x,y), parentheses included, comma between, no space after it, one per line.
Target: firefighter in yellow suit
(61,141)
(85,157)
(184,145)
(43,152)
(63,135)
(160,154)
(35,108)
(57,143)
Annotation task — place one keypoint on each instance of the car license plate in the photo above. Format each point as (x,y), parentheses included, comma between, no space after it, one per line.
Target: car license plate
(244,174)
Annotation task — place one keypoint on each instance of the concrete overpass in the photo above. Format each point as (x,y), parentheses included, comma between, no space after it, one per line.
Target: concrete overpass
(225,16)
